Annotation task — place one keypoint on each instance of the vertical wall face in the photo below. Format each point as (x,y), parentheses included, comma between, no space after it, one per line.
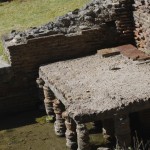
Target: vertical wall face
(142,24)
(124,21)
(17,92)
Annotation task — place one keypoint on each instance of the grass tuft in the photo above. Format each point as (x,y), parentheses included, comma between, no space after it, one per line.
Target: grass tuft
(41,120)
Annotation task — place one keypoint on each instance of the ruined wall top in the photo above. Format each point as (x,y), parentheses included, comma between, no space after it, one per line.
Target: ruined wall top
(93,15)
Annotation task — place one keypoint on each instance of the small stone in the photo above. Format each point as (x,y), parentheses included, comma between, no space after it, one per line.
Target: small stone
(29,36)
(88,18)
(56,29)
(84,27)
(97,11)
(76,11)
(103,148)
(90,13)
(72,29)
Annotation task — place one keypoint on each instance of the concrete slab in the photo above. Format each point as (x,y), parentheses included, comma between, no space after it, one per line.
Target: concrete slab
(94,85)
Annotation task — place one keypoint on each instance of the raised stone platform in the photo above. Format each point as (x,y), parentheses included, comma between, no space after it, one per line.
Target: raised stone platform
(94,87)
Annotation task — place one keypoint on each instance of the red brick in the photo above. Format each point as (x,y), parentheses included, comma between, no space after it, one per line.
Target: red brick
(126,47)
(133,53)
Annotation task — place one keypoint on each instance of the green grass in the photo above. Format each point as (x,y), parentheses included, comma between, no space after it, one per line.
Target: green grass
(1,48)
(41,120)
(22,14)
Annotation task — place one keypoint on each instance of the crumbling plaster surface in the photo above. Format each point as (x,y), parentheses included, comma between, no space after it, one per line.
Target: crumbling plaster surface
(94,85)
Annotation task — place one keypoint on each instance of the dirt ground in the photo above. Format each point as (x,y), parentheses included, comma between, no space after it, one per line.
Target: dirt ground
(29,131)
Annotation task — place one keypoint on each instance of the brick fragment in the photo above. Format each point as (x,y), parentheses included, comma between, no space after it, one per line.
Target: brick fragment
(133,53)
(108,52)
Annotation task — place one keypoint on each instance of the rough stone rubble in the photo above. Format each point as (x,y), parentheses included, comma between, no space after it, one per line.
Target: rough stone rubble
(93,15)
(95,85)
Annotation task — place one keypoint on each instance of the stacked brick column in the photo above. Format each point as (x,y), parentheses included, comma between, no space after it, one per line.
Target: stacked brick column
(59,125)
(82,137)
(48,101)
(71,136)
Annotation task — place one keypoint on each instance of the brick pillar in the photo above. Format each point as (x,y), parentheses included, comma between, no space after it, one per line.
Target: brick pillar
(40,84)
(83,137)
(48,101)
(108,131)
(71,136)
(122,130)
(59,124)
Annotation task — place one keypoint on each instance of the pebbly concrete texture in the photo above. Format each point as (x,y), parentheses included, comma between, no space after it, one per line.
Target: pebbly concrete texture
(93,86)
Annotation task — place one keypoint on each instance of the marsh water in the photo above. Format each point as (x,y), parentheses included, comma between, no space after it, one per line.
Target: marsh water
(29,131)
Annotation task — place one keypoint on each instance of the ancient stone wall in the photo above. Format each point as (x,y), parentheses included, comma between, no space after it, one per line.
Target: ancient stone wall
(28,57)
(142,24)
(98,25)
(17,93)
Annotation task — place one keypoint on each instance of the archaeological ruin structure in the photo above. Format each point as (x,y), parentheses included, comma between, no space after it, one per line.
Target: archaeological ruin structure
(90,65)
